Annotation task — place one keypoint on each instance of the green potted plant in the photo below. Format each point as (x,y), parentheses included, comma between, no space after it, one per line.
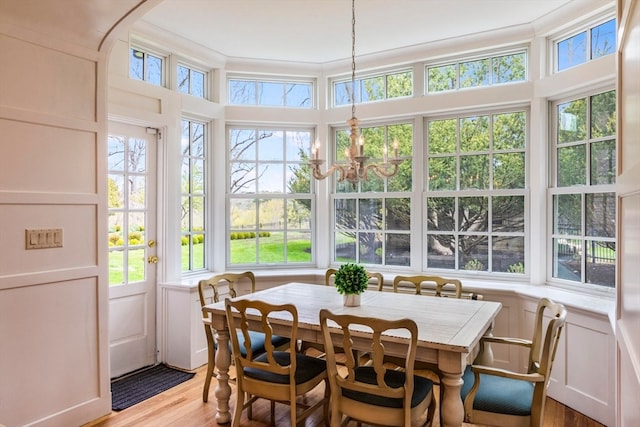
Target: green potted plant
(351,280)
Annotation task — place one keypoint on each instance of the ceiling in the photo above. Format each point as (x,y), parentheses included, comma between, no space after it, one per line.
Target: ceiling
(318,31)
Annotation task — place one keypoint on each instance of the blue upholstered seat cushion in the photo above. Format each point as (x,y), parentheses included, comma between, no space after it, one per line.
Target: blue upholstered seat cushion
(257,342)
(421,387)
(307,367)
(498,394)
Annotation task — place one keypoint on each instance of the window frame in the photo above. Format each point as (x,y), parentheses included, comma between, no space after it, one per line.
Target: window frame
(258,80)
(582,190)
(359,81)
(586,28)
(257,197)
(147,51)
(485,55)
(489,193)
(191,68)
(191,233)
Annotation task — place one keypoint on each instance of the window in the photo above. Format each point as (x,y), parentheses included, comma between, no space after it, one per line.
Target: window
(487,71)
(373,88)
(193,203)
(146,66)
(372,220)
(271,93)
(583,198)
(270,199)
(589,44)
(191,81)
(476,192)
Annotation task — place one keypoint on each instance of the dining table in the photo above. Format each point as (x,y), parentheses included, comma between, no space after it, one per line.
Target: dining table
(449,333)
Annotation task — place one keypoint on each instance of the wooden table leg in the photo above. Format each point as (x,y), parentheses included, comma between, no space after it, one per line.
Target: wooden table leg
(223,390)
(451,409)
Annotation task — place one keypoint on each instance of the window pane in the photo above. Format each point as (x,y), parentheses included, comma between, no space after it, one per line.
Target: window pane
(474,73)
(508,214)
(342,93)
(400,84)
(442,136)
(603,114)
(370,214)
(270,146)
(572,121)
(398,249)
(197,136)
(473,213)
(601,263)
(603,162)
(242,92)
(441,251)
(509,68)
(299,95)
(572,166)
(299,214)
(442,78)
(242,248)
(136,64)
(508,170)
(567,214)
(345,247)
(441,214)
(474,172)
(345,211)
(398,214)
(508,254)
(603,39)
(198,249)
(183,79)
(509,131)
(474,134)
(473,253)
(370,248)
(572,51)
(242,144)
(442,173)
(566,259)
(298,247)
(197,83)
(154,70)
(270,93)
(197,214)
(373,89)
(271,178)
(600,209)
(243,214)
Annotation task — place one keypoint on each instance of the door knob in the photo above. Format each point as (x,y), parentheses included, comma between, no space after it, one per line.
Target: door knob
(152,259)
(152,243)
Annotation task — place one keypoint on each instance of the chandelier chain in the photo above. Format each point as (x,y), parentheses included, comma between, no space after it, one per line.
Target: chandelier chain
(353,58)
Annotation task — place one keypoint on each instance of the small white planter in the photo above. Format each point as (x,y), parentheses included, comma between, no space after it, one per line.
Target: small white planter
(351,300)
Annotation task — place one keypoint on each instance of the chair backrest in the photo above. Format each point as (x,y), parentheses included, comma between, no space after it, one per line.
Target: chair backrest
(376,279)
(439,284)
(343,331)
(253,315)
(543,348)
(220,280)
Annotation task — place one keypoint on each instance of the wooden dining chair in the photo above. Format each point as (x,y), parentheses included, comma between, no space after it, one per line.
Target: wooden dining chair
(373,393)
(215,284)
(451,287)
(376,280)
(278,376)
(500,397)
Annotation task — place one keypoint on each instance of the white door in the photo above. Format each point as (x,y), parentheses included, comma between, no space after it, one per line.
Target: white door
(132,247)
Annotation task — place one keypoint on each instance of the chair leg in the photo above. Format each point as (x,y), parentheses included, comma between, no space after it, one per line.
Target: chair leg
(207,380)
(239,408)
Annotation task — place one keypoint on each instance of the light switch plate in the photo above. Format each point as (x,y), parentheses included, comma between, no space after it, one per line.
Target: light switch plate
(42,238)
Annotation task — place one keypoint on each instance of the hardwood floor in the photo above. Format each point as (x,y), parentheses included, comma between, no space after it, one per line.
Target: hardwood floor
(183,406)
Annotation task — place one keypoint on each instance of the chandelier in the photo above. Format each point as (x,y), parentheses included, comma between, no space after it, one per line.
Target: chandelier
(356,168)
